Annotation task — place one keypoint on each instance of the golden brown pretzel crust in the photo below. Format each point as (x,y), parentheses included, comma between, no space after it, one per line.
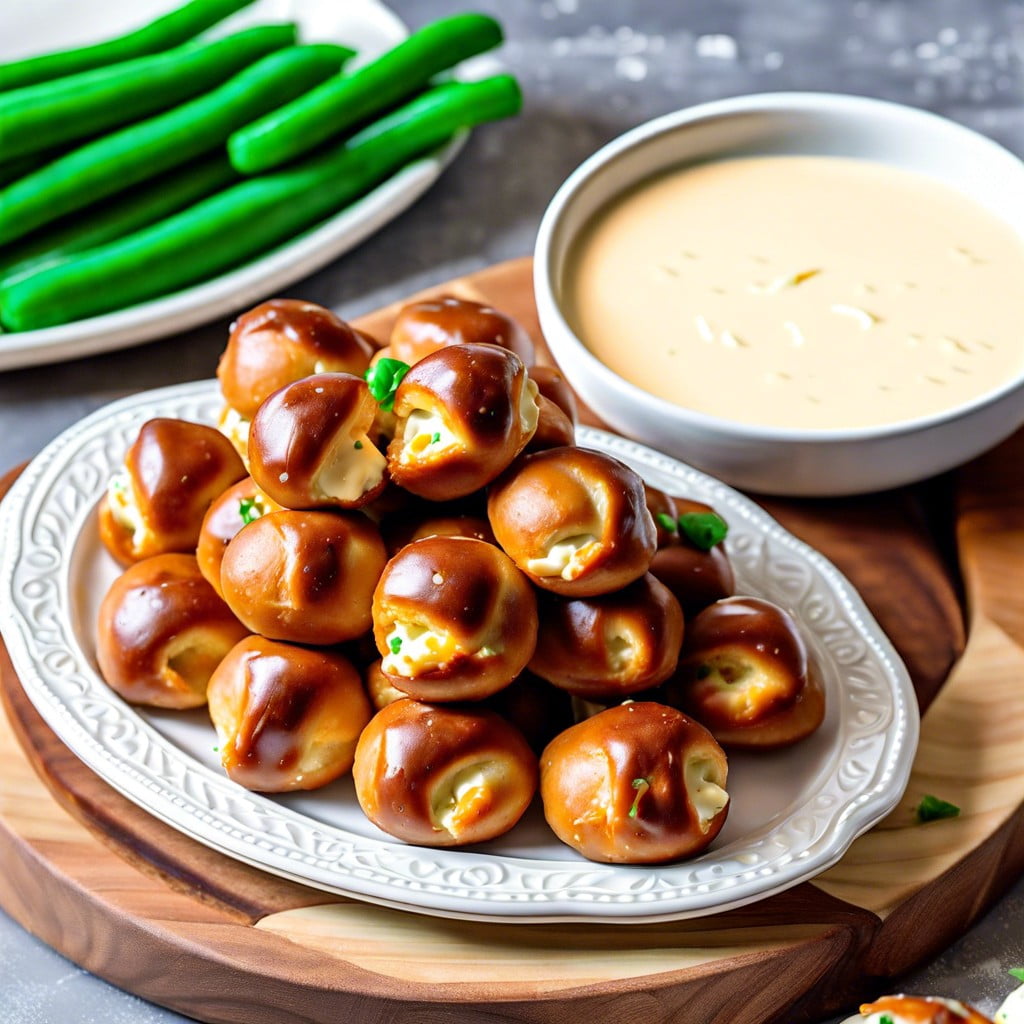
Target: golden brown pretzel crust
(744,673)
(471,595)
(553,496)
(223,520)
(287,717)
(162,630)
(305,577)
(697,578)
(551,383)
(554,428)
(282,341)
(614,786)
(424,327)
(480,393)
(309,431)
(660,504)
(417,764)
(176,469)
(612,645)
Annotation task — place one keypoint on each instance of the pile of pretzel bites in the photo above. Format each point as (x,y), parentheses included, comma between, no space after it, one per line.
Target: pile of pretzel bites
(396,561)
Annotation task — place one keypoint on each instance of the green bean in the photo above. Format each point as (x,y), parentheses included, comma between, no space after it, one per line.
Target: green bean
(169,30)
(118,217)
(339,104)
(12,170)
(42,116)
(147,148)
(245,221)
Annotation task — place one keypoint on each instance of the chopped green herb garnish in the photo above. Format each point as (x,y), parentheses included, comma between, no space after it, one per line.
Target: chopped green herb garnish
(1017,972)
(216,750)
(358,445)
(931,808)
(436,437)
(383,379)
(395,644)
(248,510)
(886,1019)
(703,529)
(641,786)
(667,522)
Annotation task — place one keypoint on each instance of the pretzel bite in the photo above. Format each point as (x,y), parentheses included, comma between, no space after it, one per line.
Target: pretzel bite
(554,387)
(279,342)
(380,689)
(454,619)
(744,674)
(918,1010)
(424,327)
(610,646)
(662,507)
(463,414)
(307,577)
(574,520)
(171,475)
(406,532)
(537,709)
(443,776)
(637,784)
(698,575)
(554,428)
(309,445)
(162,630)
(239,505)
(287,717)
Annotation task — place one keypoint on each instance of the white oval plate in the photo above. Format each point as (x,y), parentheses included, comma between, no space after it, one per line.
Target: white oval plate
(365,25)
(793,812)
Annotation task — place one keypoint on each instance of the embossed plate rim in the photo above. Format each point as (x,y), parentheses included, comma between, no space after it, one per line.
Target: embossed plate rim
(41,519)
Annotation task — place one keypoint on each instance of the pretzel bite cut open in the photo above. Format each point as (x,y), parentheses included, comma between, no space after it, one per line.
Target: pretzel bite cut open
(438,775)
(309,446)
(171,475)
(287,717)
(919,1010)
(424,327)
(745,674)
(636,784)
(574,520)
(304,577)
(612,645)
(463,414)
(162,630)
(454,619)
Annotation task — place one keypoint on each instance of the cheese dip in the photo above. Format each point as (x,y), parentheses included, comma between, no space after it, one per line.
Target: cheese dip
(801,292)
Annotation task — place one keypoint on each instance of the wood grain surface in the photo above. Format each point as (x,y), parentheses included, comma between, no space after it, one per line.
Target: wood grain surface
(136,902)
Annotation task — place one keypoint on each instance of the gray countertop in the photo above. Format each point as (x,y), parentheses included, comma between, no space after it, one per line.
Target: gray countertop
(590,69)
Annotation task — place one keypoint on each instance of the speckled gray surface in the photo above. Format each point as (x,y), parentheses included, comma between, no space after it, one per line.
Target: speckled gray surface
(590,69)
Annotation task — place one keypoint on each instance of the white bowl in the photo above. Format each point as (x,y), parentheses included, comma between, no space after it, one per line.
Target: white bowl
(769,459)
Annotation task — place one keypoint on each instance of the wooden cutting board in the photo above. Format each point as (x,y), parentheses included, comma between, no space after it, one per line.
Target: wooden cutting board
(134,901)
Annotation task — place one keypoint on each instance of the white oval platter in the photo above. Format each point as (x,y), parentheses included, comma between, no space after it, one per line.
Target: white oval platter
(793,812)
(365,25)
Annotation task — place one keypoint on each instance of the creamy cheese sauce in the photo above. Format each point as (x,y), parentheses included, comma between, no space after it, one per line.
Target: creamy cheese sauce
(801,292)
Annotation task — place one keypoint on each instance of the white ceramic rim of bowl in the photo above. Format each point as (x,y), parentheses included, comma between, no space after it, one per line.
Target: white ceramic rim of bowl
(564,342)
